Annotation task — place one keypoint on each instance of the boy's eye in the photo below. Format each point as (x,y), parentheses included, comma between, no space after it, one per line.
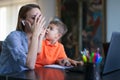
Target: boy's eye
(49,27)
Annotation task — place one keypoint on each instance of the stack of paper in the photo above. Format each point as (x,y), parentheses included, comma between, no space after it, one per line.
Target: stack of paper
(57,66)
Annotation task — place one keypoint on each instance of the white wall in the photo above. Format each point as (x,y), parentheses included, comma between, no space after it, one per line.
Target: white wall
(113,17)
(48,8)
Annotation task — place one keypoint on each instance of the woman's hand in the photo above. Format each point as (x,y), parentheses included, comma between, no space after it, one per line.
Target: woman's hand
(38,25)
(36,41)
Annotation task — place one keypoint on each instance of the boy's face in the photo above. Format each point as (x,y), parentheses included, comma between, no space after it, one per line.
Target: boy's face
(52,33)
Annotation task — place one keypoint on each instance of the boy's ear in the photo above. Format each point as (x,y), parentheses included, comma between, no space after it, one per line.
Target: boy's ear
(60,35)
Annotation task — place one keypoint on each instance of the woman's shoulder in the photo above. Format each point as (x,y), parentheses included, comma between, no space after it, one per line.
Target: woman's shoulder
(16,34)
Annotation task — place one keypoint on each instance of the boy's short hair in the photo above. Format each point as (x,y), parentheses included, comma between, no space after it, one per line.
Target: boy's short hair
(62,28)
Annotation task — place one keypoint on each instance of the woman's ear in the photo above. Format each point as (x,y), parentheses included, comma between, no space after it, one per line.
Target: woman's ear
(27,26)
(23,22)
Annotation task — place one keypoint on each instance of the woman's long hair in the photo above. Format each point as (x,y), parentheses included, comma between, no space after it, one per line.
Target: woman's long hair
(22,15)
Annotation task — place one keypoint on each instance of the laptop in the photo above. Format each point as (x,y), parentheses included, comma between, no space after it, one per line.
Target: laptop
(112,61)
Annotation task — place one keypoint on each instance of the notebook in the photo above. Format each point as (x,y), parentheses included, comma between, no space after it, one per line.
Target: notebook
(57,66)
(68,68)
(112,62)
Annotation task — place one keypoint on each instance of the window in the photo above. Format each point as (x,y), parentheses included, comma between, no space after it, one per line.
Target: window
(2,22)
(8,15)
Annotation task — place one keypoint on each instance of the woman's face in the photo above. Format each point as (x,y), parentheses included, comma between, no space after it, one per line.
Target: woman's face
(30,15)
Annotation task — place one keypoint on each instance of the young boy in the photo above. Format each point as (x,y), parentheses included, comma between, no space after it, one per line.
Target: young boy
(52,51)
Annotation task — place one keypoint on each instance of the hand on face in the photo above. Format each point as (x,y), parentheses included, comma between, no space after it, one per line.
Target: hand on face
(38,25)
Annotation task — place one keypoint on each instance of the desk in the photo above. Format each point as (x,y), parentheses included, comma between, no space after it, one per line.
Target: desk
(112,76)
(57,74)
(54,74)
(47,74)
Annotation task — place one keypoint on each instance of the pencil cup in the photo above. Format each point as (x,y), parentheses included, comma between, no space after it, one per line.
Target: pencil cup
(92,71)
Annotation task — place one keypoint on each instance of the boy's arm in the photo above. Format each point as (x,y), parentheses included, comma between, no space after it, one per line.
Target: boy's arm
(69,62)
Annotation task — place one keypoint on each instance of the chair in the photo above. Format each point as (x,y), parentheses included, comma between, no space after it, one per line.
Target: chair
(1,45)
(3,77)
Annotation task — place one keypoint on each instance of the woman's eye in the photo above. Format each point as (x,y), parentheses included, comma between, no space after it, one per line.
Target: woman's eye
(33,18)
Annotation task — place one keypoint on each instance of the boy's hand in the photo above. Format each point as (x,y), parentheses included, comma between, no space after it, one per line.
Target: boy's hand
(64,62)
(75,63)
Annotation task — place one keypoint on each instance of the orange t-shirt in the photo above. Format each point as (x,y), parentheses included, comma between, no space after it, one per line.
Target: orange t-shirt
(50,53)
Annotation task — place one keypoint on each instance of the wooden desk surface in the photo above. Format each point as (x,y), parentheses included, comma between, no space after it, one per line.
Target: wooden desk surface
(58,74)
(52,74)
(47,74)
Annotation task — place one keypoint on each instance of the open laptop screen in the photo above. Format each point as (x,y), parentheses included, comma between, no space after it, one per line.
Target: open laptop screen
(112,62)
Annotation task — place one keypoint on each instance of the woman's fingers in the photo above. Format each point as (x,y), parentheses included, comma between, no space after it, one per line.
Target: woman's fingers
(39,24)
(41,21)
(36,18)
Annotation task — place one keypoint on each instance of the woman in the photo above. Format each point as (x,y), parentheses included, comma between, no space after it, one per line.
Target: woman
(20,48)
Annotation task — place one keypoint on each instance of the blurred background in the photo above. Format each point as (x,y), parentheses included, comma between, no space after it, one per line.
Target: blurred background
(90,22)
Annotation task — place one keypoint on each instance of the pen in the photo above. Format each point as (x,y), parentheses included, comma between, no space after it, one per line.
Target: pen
(84,58)
(94,57)
(91,57)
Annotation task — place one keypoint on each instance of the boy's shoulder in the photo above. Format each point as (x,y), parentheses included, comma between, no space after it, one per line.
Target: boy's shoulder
(60,43)
(46,42)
